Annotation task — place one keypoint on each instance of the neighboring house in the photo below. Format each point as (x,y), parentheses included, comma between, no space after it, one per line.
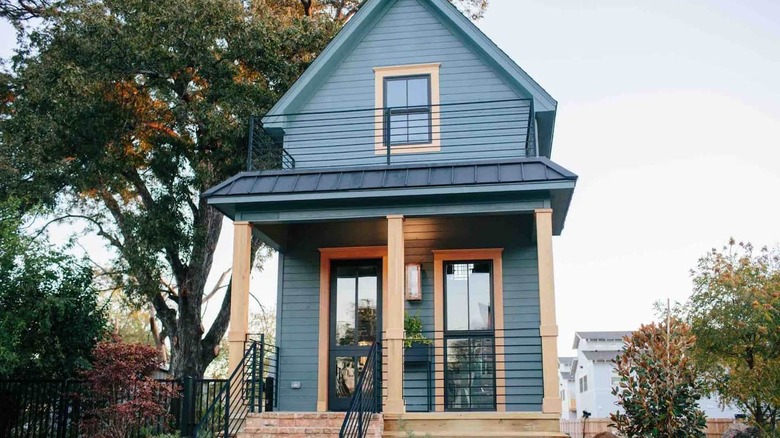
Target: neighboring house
(568,397)
(592,376)
(408,169)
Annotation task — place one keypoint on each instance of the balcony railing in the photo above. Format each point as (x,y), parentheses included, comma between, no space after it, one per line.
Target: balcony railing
(490,370)
(454,132)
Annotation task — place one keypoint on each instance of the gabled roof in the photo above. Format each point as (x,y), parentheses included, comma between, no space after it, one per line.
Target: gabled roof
(351,34)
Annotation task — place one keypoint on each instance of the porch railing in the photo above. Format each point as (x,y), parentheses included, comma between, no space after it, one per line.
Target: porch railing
(250,388)
(486,370)
(366,400)
(451,132)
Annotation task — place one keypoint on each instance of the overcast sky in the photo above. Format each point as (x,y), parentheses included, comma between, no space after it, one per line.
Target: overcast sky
(669,111)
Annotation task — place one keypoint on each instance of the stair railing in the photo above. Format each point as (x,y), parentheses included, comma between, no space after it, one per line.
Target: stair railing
(367,398)
(238,396)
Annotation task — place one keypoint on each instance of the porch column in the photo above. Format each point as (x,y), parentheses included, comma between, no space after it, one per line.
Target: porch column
(394,309)
(551,404)
(239,295)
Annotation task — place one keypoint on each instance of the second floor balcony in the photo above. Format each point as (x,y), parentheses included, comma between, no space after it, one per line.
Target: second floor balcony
(466,132)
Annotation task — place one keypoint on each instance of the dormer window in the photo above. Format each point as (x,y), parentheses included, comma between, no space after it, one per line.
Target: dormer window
(407,110)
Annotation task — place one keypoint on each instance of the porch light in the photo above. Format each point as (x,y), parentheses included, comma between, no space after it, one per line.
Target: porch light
(413,282)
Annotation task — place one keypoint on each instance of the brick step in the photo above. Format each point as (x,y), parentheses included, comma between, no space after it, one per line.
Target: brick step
(294,425)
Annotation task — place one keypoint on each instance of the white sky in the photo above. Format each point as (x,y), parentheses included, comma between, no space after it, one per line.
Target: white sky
(669,112)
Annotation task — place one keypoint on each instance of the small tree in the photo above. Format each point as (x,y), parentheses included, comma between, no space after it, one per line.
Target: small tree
(123,395)
(734,312)
(659,385)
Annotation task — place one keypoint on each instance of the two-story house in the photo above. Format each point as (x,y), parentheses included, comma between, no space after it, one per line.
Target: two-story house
(591,375)
(407,172)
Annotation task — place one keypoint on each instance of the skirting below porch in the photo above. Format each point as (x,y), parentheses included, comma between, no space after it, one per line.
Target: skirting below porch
(472,424)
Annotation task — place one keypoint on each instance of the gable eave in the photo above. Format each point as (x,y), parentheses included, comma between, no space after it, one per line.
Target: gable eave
(350,34)
(330,55)
(543,101)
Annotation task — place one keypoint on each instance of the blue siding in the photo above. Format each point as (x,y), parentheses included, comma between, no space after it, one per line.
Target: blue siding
(299,315)
(409,33)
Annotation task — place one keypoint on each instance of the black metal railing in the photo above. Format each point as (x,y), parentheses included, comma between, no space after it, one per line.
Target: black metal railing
(367,398)
(451,132)
(489,370)
(250,388)
(57,408)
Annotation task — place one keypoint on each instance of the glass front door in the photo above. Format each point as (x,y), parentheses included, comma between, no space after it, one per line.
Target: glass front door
(355,324)
(469,336)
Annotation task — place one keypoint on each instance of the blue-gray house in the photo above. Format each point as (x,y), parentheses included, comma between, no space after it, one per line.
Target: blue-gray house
(407,175)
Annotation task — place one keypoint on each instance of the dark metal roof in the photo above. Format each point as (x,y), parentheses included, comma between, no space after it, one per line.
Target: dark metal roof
(295,181)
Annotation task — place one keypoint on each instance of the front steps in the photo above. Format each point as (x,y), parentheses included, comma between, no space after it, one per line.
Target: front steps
(301,425)
(472,424)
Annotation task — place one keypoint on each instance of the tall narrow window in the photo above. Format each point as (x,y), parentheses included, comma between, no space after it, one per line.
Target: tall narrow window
(470,378)
(407,110)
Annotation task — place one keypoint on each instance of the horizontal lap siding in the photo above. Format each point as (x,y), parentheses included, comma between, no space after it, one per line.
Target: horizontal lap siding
(521,296)
(299,311)
(408,33)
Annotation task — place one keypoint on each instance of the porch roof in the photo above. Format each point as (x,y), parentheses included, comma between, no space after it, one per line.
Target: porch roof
(265,191)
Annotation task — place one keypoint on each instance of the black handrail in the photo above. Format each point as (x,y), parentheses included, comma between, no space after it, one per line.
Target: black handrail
(240,395)
(367,398)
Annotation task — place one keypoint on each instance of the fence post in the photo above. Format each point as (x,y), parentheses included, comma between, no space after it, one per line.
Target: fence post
(227,410)
(187,406)
(269,394)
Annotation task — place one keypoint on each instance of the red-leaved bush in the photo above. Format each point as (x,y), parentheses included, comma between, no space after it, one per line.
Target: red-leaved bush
(123,395)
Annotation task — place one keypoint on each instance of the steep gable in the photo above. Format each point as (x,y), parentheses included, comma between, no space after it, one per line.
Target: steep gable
(403,32)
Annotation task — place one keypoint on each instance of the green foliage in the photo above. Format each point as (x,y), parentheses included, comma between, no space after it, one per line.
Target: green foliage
(659,385)
(413,334)
(49,315)
(734,312)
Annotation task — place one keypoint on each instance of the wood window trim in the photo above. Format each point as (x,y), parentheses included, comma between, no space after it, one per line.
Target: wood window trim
(380,74)
(326,256)
(451,255)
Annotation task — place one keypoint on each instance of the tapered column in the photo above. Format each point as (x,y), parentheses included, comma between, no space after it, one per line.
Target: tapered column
(394,336)
(549,327)
(239,294)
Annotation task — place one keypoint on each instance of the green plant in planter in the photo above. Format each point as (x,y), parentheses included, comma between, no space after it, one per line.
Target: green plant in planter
(413,326)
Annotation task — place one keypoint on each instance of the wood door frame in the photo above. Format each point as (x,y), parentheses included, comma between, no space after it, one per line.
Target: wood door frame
(453,255)
(326,256)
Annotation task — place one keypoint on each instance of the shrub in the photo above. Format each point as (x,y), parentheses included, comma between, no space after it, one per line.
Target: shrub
(123,395)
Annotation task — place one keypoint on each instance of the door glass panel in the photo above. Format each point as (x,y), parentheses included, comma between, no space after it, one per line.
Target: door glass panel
(457,296)
(367,305)
(470,374)
(345,376)
(480,311)
(345,305)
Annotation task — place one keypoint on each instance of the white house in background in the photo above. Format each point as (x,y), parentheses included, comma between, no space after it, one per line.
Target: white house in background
(566,383)
(587,379)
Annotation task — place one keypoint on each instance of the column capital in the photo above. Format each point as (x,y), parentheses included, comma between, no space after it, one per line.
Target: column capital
(395,216)
(543,211)
(241,223)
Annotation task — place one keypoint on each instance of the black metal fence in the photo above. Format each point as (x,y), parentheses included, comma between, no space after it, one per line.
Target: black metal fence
(452,132)
(485,370)
(58,408)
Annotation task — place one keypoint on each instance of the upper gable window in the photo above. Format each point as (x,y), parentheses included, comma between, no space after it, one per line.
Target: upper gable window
(407,109)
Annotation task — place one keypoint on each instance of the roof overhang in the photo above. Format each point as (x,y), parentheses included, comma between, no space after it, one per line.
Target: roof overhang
(307,195)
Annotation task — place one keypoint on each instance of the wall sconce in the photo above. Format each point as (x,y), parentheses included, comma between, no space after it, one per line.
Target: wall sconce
(413,282)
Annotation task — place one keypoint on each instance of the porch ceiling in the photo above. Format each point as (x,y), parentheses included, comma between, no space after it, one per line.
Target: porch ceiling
(361,192)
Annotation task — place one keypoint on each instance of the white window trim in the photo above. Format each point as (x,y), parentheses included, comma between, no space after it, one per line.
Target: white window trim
(380,74)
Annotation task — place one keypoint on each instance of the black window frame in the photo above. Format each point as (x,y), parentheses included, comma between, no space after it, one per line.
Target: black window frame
(407,110)
(470,334)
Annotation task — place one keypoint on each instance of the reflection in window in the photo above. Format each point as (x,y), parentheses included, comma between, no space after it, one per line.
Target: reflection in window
(408,103)
(356,305)
(468,289)
(470,376)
